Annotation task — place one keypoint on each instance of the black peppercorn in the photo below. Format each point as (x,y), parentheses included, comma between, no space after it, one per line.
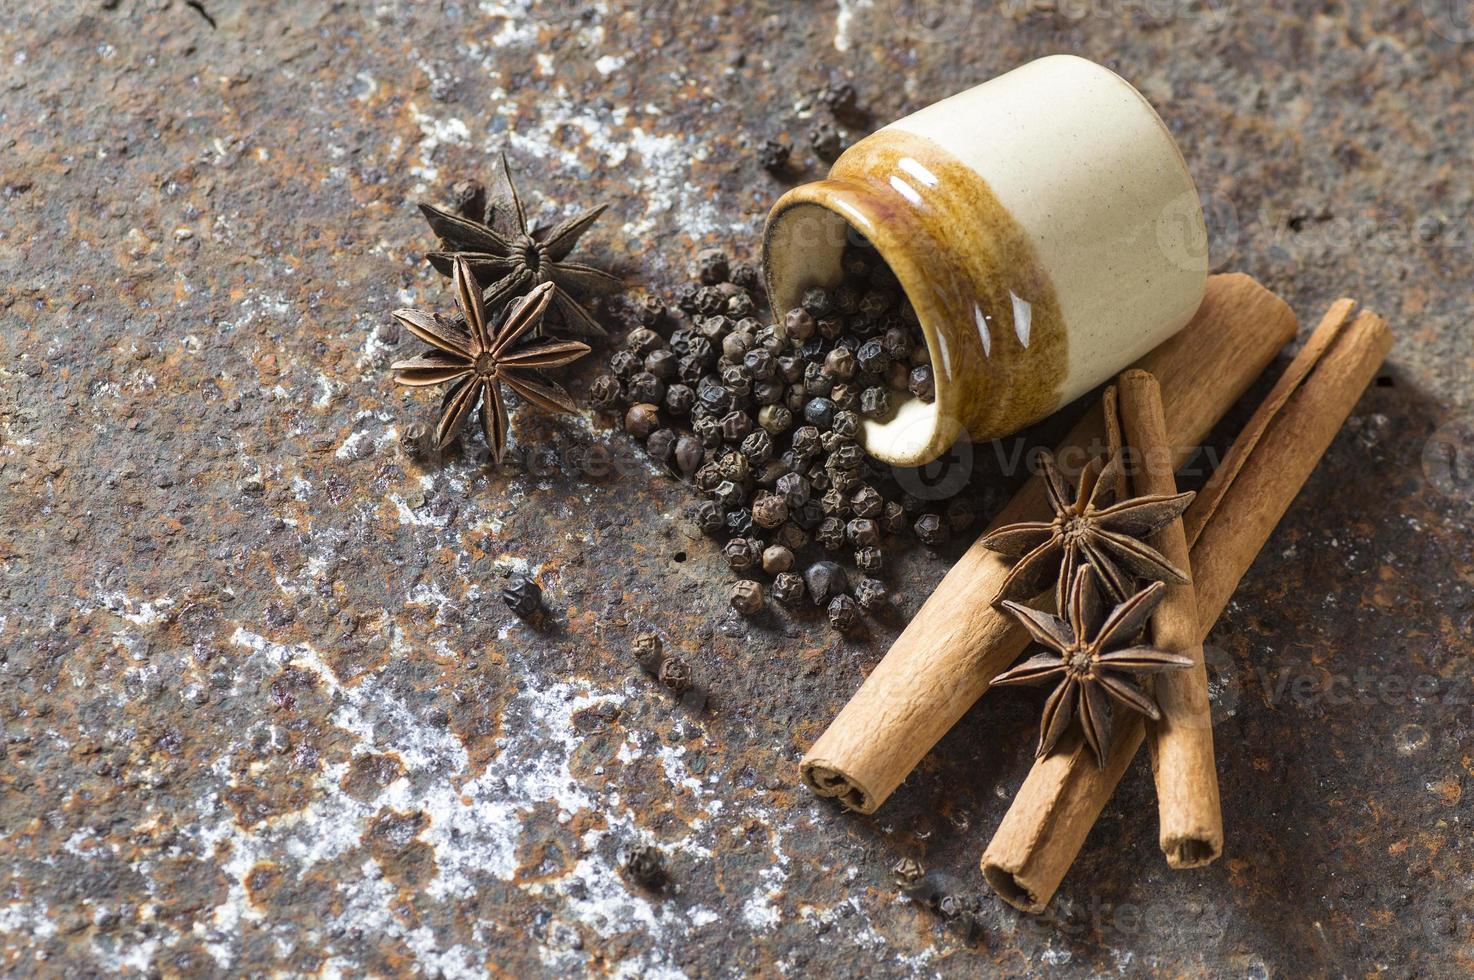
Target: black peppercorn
(685,297)
(728,494)
(606,392)
(794,488)
(776,419)
(807,442)
(641,420)
(747,597)
(662,363)
(711,266)
(845,397)
(760,364)
(745,276)
(757,446)
(734,466)
(646,387)
(872,357)
(834,502)
(708,430)
(875,402)
(931,529)
(807,517)
(737,380)
(875,303)
(645,866)
(679,398)
(648,651)
(817,383)
(767,392)
(830,534)
(661,445)
(922,384)
(817,301)
(791,536)
(650,311)
(740,553)
(641,341)
(739,522)
(717,399)
(862,532)
(736,426)
(523,597)
(844,614)
(840,363)
(819,412)
(869,560)
(829,327)
(624,364)
(788,588)
(702,351)
(710,300)
(675,674)
(690,369)
(709,518)
(740,304)
(866,501)
(846,457)
(772,155)
(769,510)
(839,98)
(826,143)
(688,454)
(825,580)
(870,594)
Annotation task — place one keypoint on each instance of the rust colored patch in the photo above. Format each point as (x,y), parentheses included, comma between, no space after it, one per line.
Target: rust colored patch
(369,774)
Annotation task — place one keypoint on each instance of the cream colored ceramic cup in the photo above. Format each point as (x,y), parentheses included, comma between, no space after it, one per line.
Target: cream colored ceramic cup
(1044,227)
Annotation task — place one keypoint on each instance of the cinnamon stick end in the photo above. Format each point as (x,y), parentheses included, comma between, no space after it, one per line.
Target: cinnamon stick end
(1012,889)
(823,779)
(1192,852)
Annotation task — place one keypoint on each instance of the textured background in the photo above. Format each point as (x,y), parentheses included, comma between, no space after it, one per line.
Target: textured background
(261,706)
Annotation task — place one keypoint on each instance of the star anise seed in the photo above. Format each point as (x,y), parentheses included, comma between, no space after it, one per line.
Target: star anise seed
(503,248)
(1092,656)
(478,359)
(1087,530)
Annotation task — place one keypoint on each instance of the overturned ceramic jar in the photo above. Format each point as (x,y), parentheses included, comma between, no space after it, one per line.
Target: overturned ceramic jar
(1044,227)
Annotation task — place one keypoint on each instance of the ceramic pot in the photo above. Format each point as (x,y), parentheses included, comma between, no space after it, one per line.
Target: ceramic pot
(1044,227)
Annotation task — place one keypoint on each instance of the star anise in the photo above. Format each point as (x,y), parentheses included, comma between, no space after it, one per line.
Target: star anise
(1087,529)
(503,248)
(476,360)
(1092,656)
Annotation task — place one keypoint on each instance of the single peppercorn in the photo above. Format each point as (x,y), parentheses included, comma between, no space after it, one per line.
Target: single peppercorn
(845,397)
(830,534)
(839,98)
(707,477)
(825,580)
(648,651)
(809,516)
(931,530)
(641,341)
(791,536)
(675,674)
(769,510)
(817,383)
(679,399)
(710,300)
(740,554)
(826,143)
(625,364)
(807,442)
(819,412)
(708,430)
(846,457)
(866,501)
(862,532)
(869,560)
(829,327)
(661,445)
(777,559)
(745,276)
(960,515)
(709,518)
(840,363)
(834,502)
(523,597)
(606,392)
(794,488)
(728,494)
(773,154)
(740,304)
(776,419)
(646,387)
(844,613)
(875,402)
(870,594)
(739,522)
(651,310)
(711,266)
(747,597)
(788,588)
(688,454)
(817,301)
(645,866)
(922,384)
(758,447)
(641,420)
(662,363)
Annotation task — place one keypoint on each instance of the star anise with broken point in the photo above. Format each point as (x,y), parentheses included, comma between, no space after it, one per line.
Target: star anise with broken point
(502,247)
(1087,529)
(1092,656)
(477,359)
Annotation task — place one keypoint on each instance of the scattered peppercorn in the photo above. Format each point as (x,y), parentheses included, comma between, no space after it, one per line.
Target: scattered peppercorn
(826,143)
(773,155)
(648,651)
(645,866)
(788,588)
(844,614)
(641,420)
(747,597)
(870,594)
(825,580)
(675,674)
(523,597)
(931,530)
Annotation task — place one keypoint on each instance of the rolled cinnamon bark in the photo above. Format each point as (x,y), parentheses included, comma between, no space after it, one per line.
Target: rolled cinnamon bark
(1232,518)
(1190,818)
(957,643)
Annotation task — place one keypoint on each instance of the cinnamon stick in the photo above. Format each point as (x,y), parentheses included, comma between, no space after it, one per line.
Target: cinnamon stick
(957,643)
(1227,526)
(1189,815)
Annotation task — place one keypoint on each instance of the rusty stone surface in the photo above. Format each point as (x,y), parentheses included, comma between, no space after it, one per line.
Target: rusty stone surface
(262,707)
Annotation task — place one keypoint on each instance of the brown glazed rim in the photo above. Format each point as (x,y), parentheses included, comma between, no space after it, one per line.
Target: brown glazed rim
(947,422)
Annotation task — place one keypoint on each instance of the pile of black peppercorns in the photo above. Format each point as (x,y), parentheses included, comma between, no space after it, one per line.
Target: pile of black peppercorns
(765,421)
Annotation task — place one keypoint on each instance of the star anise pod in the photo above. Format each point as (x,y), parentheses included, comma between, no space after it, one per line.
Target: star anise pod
(1087,529)
(1092,655)
(503,248)
(476,360)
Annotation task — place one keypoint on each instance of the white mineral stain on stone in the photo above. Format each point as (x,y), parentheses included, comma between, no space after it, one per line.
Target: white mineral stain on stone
(609,64)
